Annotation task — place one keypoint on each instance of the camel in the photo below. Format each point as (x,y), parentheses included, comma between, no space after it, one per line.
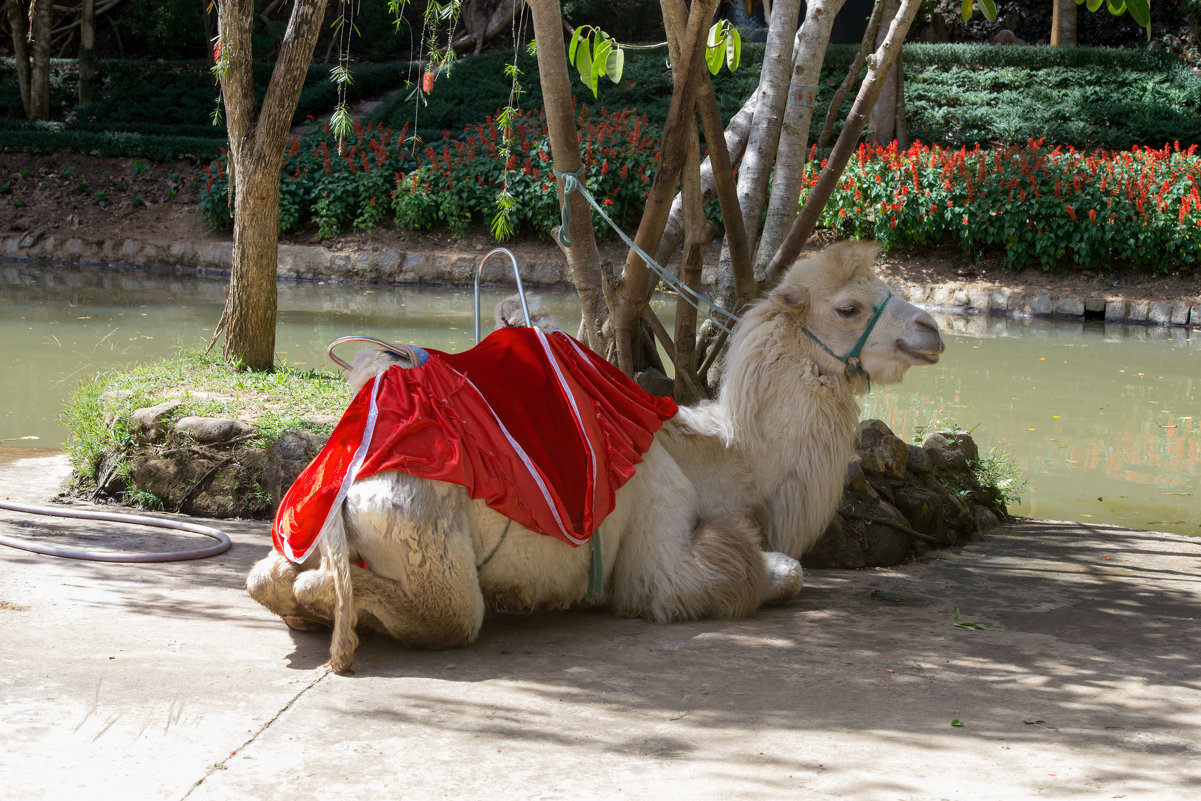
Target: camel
(728,497)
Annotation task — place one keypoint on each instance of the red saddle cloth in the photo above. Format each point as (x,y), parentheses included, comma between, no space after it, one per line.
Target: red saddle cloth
(537,426)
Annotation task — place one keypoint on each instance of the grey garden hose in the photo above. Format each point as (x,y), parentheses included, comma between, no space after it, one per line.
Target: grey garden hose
(221,546)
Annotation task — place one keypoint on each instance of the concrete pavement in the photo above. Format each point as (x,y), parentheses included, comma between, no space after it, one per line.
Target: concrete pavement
(169,682)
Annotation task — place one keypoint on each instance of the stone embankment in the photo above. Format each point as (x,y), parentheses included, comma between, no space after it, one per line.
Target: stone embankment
(899,499)
(545,267)
(968,298)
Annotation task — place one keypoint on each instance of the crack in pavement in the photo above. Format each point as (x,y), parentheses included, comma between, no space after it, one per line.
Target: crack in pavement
(220,765)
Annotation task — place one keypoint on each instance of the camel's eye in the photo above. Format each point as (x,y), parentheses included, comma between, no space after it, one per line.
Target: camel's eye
(847,312)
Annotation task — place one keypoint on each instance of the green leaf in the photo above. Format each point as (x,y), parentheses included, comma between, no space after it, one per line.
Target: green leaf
(714,58)
(733,49)
(600,57)
(574,43)
(965,10)
(965,625)
(583,65)
(1141,11)
(1092,5)
(957,723)
(989,7)
(714,38)
(615,64)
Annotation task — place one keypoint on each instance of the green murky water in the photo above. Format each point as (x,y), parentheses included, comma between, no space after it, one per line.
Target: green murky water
(1104,422)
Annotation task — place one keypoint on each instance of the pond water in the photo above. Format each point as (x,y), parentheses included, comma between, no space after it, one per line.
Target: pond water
(1104,422)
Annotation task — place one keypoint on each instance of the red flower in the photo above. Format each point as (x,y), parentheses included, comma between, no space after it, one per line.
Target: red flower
(427,81)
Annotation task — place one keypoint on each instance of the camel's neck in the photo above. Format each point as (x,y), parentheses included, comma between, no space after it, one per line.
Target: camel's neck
(778,396)
(793,423)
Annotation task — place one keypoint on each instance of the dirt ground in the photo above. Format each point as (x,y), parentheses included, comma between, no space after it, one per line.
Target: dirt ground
(125,198)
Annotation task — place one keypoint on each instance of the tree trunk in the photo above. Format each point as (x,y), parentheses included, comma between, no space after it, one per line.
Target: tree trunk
(583,258)
(636,275)
(87,51)
(879,64)
(1063,23)
(865,46)
(809,50)
(20,32)
(882,125)
(755,170)
(257,139)
(39,76)
(720,172)
(736,134)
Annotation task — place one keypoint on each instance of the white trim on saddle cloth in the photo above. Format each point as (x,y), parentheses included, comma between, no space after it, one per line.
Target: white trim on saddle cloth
(360,455)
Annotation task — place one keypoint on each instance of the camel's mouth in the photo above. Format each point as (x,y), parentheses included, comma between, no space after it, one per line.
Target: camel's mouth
(922,356)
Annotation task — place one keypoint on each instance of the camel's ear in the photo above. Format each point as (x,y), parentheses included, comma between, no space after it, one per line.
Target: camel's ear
(793,301)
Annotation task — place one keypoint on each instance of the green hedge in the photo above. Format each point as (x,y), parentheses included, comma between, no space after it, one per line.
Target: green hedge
(139,102)
(956,95)
(58,137)
(960,95)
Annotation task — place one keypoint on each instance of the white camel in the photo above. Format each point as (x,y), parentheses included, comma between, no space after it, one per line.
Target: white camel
(730,494)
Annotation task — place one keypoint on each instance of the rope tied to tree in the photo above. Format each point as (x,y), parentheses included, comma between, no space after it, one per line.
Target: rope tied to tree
(573,183)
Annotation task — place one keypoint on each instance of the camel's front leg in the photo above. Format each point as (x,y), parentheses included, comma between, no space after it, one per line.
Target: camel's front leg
(784,578)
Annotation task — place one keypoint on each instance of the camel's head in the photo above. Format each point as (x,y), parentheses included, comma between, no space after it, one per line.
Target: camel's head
(854,318)
(370,362)
(509,313)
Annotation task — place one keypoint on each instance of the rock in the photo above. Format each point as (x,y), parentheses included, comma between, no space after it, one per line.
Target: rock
(834,548)
(984,518)
(111,480)
(855,480)
(655,382)
(919,460)
(211,429)
(149,424)
(284,460)
(882,452)
(923,509)
(202,486)
(951,452)
(885,545)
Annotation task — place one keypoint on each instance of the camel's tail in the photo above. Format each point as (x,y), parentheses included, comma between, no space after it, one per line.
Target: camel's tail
(336,558)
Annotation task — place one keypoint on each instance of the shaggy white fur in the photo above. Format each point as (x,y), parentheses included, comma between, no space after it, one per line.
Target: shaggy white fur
(728,497)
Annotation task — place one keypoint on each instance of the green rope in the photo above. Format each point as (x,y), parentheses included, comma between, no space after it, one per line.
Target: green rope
(854,365)
(572,183)
(495,547)
(596,573)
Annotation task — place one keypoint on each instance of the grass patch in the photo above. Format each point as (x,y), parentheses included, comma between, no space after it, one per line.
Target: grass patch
(286,399)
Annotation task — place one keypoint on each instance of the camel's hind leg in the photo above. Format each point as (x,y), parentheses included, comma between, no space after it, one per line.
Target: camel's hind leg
(271,581)
(421,585)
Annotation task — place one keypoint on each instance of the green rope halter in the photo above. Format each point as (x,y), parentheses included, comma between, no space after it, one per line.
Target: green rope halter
(854,365)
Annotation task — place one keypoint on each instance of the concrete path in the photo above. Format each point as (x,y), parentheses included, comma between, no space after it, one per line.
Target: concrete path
(169,682)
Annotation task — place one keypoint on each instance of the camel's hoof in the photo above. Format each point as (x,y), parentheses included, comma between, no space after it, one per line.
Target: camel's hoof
(297,623)
(340,666)
(784,578)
